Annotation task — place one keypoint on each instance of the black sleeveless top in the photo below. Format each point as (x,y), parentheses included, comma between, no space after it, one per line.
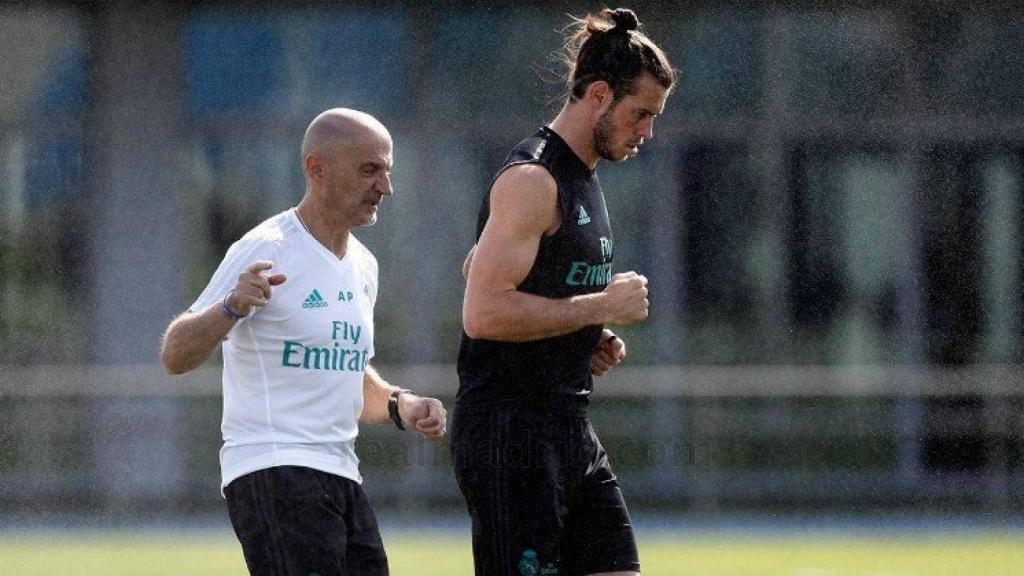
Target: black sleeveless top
(576,259)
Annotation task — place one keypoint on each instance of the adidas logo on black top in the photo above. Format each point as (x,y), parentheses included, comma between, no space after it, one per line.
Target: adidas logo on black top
(584,217)
(314,300)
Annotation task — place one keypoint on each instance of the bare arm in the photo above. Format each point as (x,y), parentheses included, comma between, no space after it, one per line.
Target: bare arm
(424,415)
(610,350)
(375,397)
(523,209)
(192,337)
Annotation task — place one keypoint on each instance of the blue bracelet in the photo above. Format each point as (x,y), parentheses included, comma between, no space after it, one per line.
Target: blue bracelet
(226,308)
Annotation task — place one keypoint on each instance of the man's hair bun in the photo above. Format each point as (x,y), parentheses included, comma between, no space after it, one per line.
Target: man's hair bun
(625,19)
(609,47)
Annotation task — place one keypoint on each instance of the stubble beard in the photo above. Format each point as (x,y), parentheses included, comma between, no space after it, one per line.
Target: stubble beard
(603,131)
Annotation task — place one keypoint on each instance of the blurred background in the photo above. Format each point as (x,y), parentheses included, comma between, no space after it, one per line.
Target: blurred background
(830,213)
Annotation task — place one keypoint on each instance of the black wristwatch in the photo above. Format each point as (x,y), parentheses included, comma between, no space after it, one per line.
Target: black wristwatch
(393,408)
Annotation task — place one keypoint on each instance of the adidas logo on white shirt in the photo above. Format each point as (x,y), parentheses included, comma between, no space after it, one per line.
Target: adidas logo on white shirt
(314,300)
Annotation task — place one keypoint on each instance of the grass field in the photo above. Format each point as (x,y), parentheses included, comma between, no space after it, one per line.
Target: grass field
(695,554)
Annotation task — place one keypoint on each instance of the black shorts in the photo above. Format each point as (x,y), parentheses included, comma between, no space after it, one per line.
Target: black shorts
(540,492)
(296,521)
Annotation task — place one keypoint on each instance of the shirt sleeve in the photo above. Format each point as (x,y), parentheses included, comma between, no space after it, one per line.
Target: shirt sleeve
(239,256)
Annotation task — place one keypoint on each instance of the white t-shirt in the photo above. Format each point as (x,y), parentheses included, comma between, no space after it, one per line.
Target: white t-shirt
(293,371)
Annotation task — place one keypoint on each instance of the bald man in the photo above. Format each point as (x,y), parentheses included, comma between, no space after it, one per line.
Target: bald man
(292,302)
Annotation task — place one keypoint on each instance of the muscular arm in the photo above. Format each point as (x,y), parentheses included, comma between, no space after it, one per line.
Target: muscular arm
(523,208)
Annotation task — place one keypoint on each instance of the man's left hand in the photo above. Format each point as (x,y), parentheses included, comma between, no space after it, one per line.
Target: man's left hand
(610,351)
(424,415)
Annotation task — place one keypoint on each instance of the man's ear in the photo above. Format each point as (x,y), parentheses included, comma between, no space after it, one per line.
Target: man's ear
(600,94)
(314,167)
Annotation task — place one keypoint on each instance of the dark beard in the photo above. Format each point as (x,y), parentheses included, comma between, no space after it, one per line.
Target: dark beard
(603,136)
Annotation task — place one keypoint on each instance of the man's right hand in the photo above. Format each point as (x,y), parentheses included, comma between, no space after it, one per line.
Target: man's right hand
(253,289)
(626,299)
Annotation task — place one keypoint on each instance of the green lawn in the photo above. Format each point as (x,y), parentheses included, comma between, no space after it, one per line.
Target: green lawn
(710,554)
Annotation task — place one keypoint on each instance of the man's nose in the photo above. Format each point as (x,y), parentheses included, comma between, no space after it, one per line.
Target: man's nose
(647,129)
(384,185)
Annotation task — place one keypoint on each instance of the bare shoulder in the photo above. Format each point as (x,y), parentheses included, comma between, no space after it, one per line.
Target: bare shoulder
(526,180)
(526,194)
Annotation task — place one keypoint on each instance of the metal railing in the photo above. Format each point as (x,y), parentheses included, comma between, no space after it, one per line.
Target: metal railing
(88,439)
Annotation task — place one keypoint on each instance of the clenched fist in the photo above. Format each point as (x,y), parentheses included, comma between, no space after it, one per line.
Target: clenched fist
(426,415)
(609,353)
(626,299)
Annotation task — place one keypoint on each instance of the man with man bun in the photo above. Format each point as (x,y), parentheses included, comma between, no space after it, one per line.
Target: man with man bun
(540,492)
(293,302)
